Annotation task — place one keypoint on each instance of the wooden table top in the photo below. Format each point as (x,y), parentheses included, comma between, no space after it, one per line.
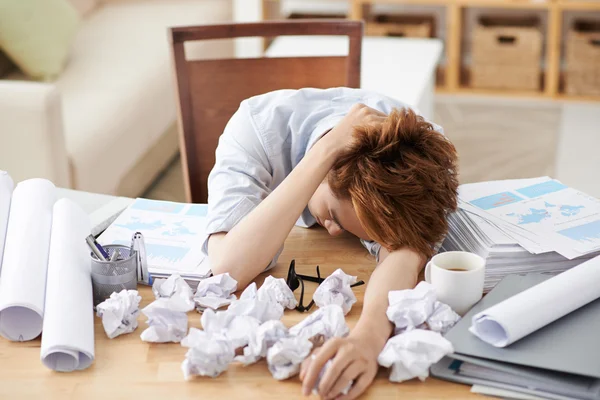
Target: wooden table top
(126,367)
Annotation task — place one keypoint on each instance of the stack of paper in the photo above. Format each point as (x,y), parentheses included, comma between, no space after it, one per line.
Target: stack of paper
(525,225)
(173,235)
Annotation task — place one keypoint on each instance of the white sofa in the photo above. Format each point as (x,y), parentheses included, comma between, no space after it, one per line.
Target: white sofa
(107,124)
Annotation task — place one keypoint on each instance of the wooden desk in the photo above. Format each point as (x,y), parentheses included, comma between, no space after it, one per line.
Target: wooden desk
(127,368)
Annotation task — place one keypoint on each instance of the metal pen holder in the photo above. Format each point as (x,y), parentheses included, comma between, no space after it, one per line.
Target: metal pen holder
(113,276)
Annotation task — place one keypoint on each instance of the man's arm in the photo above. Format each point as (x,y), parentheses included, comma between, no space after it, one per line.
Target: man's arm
(248,248)
(355,357)
(396,271)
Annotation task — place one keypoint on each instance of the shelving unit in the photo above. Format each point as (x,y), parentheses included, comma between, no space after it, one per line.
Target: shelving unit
(454,14)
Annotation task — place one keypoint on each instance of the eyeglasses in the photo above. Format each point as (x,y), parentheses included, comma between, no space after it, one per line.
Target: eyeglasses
(295,280)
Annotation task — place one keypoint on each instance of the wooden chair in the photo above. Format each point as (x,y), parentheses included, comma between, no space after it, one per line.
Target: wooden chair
(210,91)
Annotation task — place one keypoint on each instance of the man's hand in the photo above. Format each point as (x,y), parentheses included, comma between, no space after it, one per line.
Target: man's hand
(353,360)
(341,135)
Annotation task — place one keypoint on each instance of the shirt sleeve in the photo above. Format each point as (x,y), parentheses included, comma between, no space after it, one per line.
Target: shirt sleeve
(372,247)
(240,179)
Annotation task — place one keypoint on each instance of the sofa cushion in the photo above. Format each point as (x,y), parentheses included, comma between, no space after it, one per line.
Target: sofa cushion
(117,91)
(36,34)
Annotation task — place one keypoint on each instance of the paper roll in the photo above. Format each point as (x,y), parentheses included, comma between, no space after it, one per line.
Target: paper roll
(6,188)
(536,307)
(68,339)
(25,262)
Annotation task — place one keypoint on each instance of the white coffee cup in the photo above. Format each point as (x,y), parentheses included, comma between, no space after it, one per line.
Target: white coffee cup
(457,277)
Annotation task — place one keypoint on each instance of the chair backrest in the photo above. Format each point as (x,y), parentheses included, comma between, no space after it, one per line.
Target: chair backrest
(210,91)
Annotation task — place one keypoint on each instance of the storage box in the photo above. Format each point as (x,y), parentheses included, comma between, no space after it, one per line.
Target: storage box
(506,53)
(420,26)
(583,58)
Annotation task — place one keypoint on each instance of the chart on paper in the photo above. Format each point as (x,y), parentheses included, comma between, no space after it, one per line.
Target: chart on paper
(562,217)
(585,234)
(173,233)
(172,228)
(171,257)
(544,212)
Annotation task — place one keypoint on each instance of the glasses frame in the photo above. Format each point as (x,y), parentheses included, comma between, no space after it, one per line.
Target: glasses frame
(294,281)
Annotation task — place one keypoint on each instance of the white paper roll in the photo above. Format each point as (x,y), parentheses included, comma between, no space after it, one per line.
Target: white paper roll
(25,262)
(6,188)
(536,307)
(68,339)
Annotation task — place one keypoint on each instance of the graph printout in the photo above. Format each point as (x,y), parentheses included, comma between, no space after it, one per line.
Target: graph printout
(566,219)
(173,233)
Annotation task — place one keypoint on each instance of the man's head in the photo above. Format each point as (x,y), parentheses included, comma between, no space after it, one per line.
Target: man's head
(395,185)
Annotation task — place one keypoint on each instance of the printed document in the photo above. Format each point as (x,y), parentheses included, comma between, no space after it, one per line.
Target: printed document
(173,235)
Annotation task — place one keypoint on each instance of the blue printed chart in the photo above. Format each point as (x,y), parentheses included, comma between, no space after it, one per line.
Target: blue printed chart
(586,234)
(544,211)
(173,234)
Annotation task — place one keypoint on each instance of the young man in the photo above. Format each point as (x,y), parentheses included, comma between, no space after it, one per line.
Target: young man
(349,160)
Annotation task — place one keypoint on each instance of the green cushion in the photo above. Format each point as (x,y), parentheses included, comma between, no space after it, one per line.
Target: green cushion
(36,34)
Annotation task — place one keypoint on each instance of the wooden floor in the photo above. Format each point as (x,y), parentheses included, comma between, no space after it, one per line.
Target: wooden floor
(127,368)
(495,138)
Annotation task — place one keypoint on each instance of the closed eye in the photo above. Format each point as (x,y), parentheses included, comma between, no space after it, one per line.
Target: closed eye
(334,219)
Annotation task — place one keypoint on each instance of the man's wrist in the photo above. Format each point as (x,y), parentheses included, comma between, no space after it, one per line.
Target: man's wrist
(328,146)
(374,335)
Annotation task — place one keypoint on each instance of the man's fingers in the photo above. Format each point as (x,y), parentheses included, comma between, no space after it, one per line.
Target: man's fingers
(340,362)
(381,114)
(304,367)
(316,364)
(348,375)
(358,387)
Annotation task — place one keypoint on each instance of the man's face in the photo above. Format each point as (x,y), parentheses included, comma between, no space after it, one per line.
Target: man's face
(335,215)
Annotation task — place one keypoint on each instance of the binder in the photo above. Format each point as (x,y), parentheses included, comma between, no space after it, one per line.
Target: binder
(560,361)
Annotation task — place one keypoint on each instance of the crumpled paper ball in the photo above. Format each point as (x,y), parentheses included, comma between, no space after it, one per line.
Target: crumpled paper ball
(165,322)
(176,289)
(335,289)
(215,292)
(326,322)
(119,312)
(208,355)
(411,354)
(261,340)
(286,355)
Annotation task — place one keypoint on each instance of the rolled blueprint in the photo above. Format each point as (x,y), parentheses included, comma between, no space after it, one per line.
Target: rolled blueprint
(6,188)
(25,262)
(536,307)
(68,339)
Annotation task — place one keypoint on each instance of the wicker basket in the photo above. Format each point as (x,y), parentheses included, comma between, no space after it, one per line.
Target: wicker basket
(583,58)
(506,53)
(419,26)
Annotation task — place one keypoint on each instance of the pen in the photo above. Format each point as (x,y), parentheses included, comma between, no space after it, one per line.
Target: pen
(115,255)
(99,247)
(134,251)
(138,246)
(92,243)
(142,259)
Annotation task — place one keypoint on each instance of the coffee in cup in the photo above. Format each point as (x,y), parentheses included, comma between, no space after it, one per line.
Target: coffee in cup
(457,277)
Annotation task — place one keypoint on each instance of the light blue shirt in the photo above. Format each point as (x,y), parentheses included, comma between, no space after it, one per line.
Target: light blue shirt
(263,142)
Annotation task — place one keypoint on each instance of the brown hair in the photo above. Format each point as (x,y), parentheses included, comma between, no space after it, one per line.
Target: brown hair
(402,179)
